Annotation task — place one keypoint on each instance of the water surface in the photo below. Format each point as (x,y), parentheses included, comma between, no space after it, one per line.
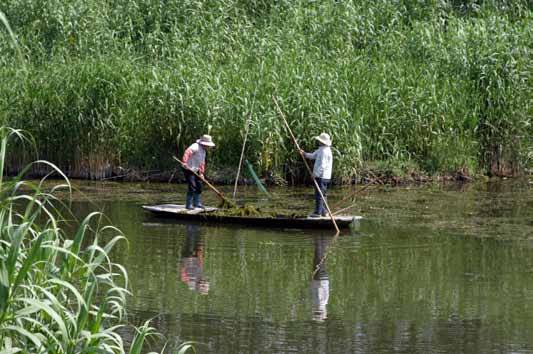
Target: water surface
(439,269)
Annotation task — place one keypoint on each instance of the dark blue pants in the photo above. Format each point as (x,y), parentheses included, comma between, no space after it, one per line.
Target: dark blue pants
(194,184)
(319,203)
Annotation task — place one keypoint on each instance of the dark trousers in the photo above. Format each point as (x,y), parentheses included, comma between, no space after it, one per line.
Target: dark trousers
(194,184)
(319,203)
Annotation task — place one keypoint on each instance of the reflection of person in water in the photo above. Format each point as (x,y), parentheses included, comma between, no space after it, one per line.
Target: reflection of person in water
(320,282)
(192,261)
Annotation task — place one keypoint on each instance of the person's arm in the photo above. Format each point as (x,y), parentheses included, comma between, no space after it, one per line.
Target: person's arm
(309,155)
(188,153)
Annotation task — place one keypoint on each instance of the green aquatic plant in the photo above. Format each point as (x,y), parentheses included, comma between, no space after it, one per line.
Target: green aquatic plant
(442,86)
(253,211)
(59,292)
(246,210)
(227,204)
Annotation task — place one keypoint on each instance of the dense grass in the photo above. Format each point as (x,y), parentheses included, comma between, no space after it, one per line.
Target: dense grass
(434,86)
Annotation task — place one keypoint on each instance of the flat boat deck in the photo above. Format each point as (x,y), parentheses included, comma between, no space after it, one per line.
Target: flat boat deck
(178,211)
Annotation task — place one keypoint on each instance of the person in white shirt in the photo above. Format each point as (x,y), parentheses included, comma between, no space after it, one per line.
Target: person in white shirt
(321,171)
(194,159)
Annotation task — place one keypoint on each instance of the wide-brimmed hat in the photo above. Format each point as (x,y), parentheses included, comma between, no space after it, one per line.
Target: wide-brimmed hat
(206,140)
(324,138)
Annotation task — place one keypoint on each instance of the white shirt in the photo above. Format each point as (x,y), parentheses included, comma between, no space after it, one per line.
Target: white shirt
(194,157)
(323,162)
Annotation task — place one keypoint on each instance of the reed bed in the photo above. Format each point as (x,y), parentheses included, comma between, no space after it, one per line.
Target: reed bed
(431,86)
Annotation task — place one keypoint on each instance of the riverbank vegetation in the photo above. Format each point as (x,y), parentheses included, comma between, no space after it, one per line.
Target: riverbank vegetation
(59,292)
(430,87)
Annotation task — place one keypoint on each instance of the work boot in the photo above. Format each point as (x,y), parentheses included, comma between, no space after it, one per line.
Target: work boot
(189,200)
(315,214)
(197,202)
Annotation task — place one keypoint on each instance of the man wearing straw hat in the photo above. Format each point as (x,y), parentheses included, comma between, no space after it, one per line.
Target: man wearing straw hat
(321,171)
(194,160)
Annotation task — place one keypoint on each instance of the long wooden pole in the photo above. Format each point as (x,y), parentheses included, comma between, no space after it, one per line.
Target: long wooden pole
(305,161)
(205,181)
(249,121)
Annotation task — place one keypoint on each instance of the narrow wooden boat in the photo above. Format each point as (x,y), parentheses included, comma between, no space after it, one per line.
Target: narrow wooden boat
(178,211)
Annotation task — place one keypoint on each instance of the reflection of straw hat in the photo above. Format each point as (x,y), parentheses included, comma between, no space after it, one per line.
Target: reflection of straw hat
(206,140)
(324,138)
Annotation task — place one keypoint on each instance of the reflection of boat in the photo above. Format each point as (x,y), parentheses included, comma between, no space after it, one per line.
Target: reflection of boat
(209,214)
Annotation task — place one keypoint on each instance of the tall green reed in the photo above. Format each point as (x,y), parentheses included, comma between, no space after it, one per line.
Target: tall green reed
(59,293)
(439,86)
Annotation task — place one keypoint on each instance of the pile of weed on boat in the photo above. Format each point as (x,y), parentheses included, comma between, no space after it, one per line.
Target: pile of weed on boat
(248,210)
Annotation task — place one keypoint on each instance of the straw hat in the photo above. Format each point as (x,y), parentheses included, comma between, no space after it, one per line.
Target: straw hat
(324,138)
(206,140)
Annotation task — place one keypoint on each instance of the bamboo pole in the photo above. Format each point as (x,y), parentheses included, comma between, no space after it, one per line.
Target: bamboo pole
(305,162)
(326,252)
(206,182)
(249,121)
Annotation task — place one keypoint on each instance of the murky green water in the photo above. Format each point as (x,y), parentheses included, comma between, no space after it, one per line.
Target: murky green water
(433,269)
